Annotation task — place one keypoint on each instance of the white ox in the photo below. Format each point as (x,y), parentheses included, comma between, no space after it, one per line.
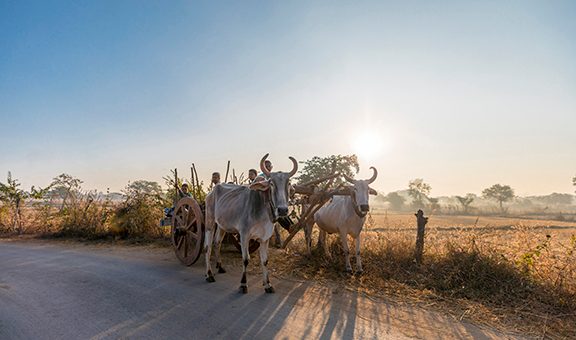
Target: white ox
(249,211)
(345,215)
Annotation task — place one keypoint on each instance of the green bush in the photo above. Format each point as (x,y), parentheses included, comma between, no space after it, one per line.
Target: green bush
(139,214)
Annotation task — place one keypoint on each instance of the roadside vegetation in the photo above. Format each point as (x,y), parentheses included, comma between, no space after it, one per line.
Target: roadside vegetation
(65,209)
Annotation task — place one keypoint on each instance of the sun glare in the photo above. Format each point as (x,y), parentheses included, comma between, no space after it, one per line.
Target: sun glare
(368,145)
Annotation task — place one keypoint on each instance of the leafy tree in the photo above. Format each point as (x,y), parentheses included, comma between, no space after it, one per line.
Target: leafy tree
(466,201)
(139,214)
(14,197)
(319,167)
(143,188)
(65,187)
(396,201)
(500,193)
(419,192)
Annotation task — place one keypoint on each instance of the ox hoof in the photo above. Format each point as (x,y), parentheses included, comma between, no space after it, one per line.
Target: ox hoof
(269,290)
(359,272)
(221,270)
(348,271)
(243,289)
(210,279)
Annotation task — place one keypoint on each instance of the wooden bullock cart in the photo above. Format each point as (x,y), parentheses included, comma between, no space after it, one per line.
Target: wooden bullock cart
(188,228)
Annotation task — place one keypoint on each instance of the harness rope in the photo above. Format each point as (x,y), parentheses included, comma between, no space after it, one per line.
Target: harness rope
(271,209)
(355,206)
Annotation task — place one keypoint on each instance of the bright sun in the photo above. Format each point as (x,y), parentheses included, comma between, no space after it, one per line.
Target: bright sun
(367,145)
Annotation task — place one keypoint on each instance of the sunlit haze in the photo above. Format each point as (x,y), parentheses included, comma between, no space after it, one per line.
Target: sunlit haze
(464,94)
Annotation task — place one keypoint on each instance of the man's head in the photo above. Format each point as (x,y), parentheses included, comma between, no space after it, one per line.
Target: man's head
(252,173)
(268,165)
(215,178)
(185,187)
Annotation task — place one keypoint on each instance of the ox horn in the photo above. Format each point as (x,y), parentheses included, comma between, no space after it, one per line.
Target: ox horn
(373,176)
(349,179)
(295,167)
(263,167)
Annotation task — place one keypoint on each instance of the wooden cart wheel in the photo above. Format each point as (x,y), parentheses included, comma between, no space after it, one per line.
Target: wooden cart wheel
(252,246)
(187,232)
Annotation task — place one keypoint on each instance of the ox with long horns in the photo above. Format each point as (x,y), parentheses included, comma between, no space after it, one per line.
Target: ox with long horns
(249,211)
(346,215)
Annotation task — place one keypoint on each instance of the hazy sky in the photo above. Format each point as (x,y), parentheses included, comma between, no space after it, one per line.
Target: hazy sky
(461,94)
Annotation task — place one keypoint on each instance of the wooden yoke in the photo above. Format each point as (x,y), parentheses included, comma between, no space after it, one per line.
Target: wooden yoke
(316,198)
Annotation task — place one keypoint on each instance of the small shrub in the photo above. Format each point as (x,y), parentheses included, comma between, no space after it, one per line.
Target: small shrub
(85,216)
(139,214)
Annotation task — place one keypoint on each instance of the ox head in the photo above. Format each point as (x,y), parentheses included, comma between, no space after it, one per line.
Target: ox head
(362,190)
(278,183)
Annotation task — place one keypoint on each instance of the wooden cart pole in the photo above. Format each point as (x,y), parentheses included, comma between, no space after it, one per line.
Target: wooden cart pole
(198,187)
(192,182)
(421,222)
(227,170)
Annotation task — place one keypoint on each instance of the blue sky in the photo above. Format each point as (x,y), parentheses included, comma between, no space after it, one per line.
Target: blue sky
(462,94)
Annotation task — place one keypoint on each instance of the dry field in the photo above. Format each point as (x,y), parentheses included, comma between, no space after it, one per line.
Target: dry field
(509,273)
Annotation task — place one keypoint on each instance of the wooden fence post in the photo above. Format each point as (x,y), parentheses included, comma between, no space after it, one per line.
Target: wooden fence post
(421,221)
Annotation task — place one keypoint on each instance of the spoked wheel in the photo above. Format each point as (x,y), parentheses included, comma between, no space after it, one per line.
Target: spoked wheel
(252,246)
(187,230)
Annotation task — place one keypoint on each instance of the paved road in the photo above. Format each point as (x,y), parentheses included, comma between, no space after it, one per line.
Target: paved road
(60,291)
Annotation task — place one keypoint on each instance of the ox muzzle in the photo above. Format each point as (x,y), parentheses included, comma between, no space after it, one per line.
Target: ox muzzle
(282,211)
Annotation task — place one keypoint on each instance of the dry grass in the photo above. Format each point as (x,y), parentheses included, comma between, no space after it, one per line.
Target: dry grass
(511,274)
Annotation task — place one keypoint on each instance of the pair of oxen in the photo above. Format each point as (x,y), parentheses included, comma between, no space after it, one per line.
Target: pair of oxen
(251,211)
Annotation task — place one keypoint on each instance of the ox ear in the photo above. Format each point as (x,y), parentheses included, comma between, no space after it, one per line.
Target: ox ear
(372,192)
(260,185)
(291,190)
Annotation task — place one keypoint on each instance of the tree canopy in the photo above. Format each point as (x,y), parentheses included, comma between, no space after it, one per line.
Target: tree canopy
(142,189)
(396,201)
(500,193)
(465,201)
(319,167)
(14,197)
(419,191)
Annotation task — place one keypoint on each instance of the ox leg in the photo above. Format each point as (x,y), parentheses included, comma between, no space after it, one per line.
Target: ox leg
(321,239)
(264,263)
(218,243)
(208,251)
(308,237)
(359,270)
(322,243)
(344,239)
(244,243)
